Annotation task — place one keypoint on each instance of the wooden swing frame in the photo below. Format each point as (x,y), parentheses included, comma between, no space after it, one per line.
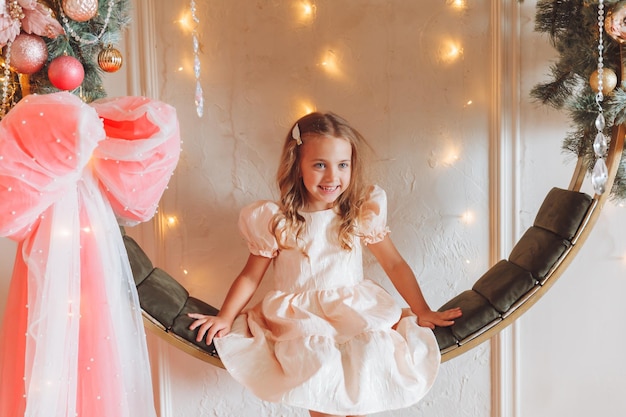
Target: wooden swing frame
(165,302)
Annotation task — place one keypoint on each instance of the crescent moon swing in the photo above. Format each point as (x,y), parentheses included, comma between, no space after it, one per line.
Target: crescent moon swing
(500,296)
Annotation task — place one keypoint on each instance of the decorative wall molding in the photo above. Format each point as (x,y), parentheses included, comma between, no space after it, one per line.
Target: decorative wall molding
(504,189)
(141,43)
(142,80)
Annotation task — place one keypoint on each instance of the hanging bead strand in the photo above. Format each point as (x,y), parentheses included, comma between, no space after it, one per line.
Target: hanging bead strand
(6,9)
(199,94)
(599,173)
(77,37)
(5,80)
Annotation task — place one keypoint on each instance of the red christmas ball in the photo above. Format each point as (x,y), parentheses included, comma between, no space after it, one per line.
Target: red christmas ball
(28,53)
(66,72)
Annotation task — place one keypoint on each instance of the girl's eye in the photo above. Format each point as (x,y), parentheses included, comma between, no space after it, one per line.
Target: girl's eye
(320,165)
(344,165)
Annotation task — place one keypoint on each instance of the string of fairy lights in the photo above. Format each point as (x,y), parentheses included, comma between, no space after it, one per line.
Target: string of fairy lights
(329,62)
(451,50)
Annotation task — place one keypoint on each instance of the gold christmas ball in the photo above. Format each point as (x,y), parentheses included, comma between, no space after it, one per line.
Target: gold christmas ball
(609,80)
(110,59)
(80,10)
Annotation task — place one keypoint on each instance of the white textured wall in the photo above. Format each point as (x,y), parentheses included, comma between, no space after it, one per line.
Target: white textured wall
(261,63)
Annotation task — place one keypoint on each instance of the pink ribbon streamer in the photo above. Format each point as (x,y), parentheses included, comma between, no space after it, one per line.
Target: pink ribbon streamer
(72,341)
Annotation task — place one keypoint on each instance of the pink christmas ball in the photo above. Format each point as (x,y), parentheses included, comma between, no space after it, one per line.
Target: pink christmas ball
(66,72)
(28,53)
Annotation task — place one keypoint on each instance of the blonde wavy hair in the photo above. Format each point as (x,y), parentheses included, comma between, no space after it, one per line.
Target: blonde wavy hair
(288,224)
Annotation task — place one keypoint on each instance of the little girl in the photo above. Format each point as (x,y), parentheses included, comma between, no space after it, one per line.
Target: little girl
(325,338)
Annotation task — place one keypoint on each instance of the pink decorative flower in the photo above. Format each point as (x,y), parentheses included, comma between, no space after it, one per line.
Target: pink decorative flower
(28,15)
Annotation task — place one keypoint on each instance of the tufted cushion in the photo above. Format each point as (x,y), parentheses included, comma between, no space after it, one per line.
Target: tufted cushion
(503,284)
(182,322)
(537,251)
(140,264)
(477,313)
(562,212)
(444,336)
(540,248)
(162,297)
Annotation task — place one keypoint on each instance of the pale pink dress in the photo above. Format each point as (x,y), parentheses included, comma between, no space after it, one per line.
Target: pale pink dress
(325,338)
(72,341)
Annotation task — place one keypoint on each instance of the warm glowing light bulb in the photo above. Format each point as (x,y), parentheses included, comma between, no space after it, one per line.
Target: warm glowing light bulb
(329,59)
(308,9)
(185,272)
(305,107)
(468,217)
(458,4)
(469,103)
(171,220)
(451,51)
(185,22)
(330,63)
(451,158)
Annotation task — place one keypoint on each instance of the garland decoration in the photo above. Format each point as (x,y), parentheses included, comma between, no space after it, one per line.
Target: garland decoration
(80,29)
(600,173)
(199,94)
(585,71)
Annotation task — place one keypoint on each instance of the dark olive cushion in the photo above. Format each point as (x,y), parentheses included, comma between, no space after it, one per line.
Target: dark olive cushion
(477,313)
(503,284)
(445,338)
(162,297)
(537,251)
(182,322)
(140,264)
(563,211)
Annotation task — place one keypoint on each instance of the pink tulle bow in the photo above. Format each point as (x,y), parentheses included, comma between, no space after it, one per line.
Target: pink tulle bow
(72,341)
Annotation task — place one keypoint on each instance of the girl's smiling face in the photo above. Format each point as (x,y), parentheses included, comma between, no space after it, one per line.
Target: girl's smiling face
(325,164)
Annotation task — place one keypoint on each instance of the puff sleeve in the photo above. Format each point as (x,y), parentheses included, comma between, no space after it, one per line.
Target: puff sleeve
(373,219)
(254,225)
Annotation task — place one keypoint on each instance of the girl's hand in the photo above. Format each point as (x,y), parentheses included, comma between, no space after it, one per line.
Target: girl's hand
(431,318)
(212,326)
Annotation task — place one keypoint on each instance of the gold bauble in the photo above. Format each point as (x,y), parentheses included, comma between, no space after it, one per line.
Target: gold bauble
(110,59)
(609,80)
(80,10)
